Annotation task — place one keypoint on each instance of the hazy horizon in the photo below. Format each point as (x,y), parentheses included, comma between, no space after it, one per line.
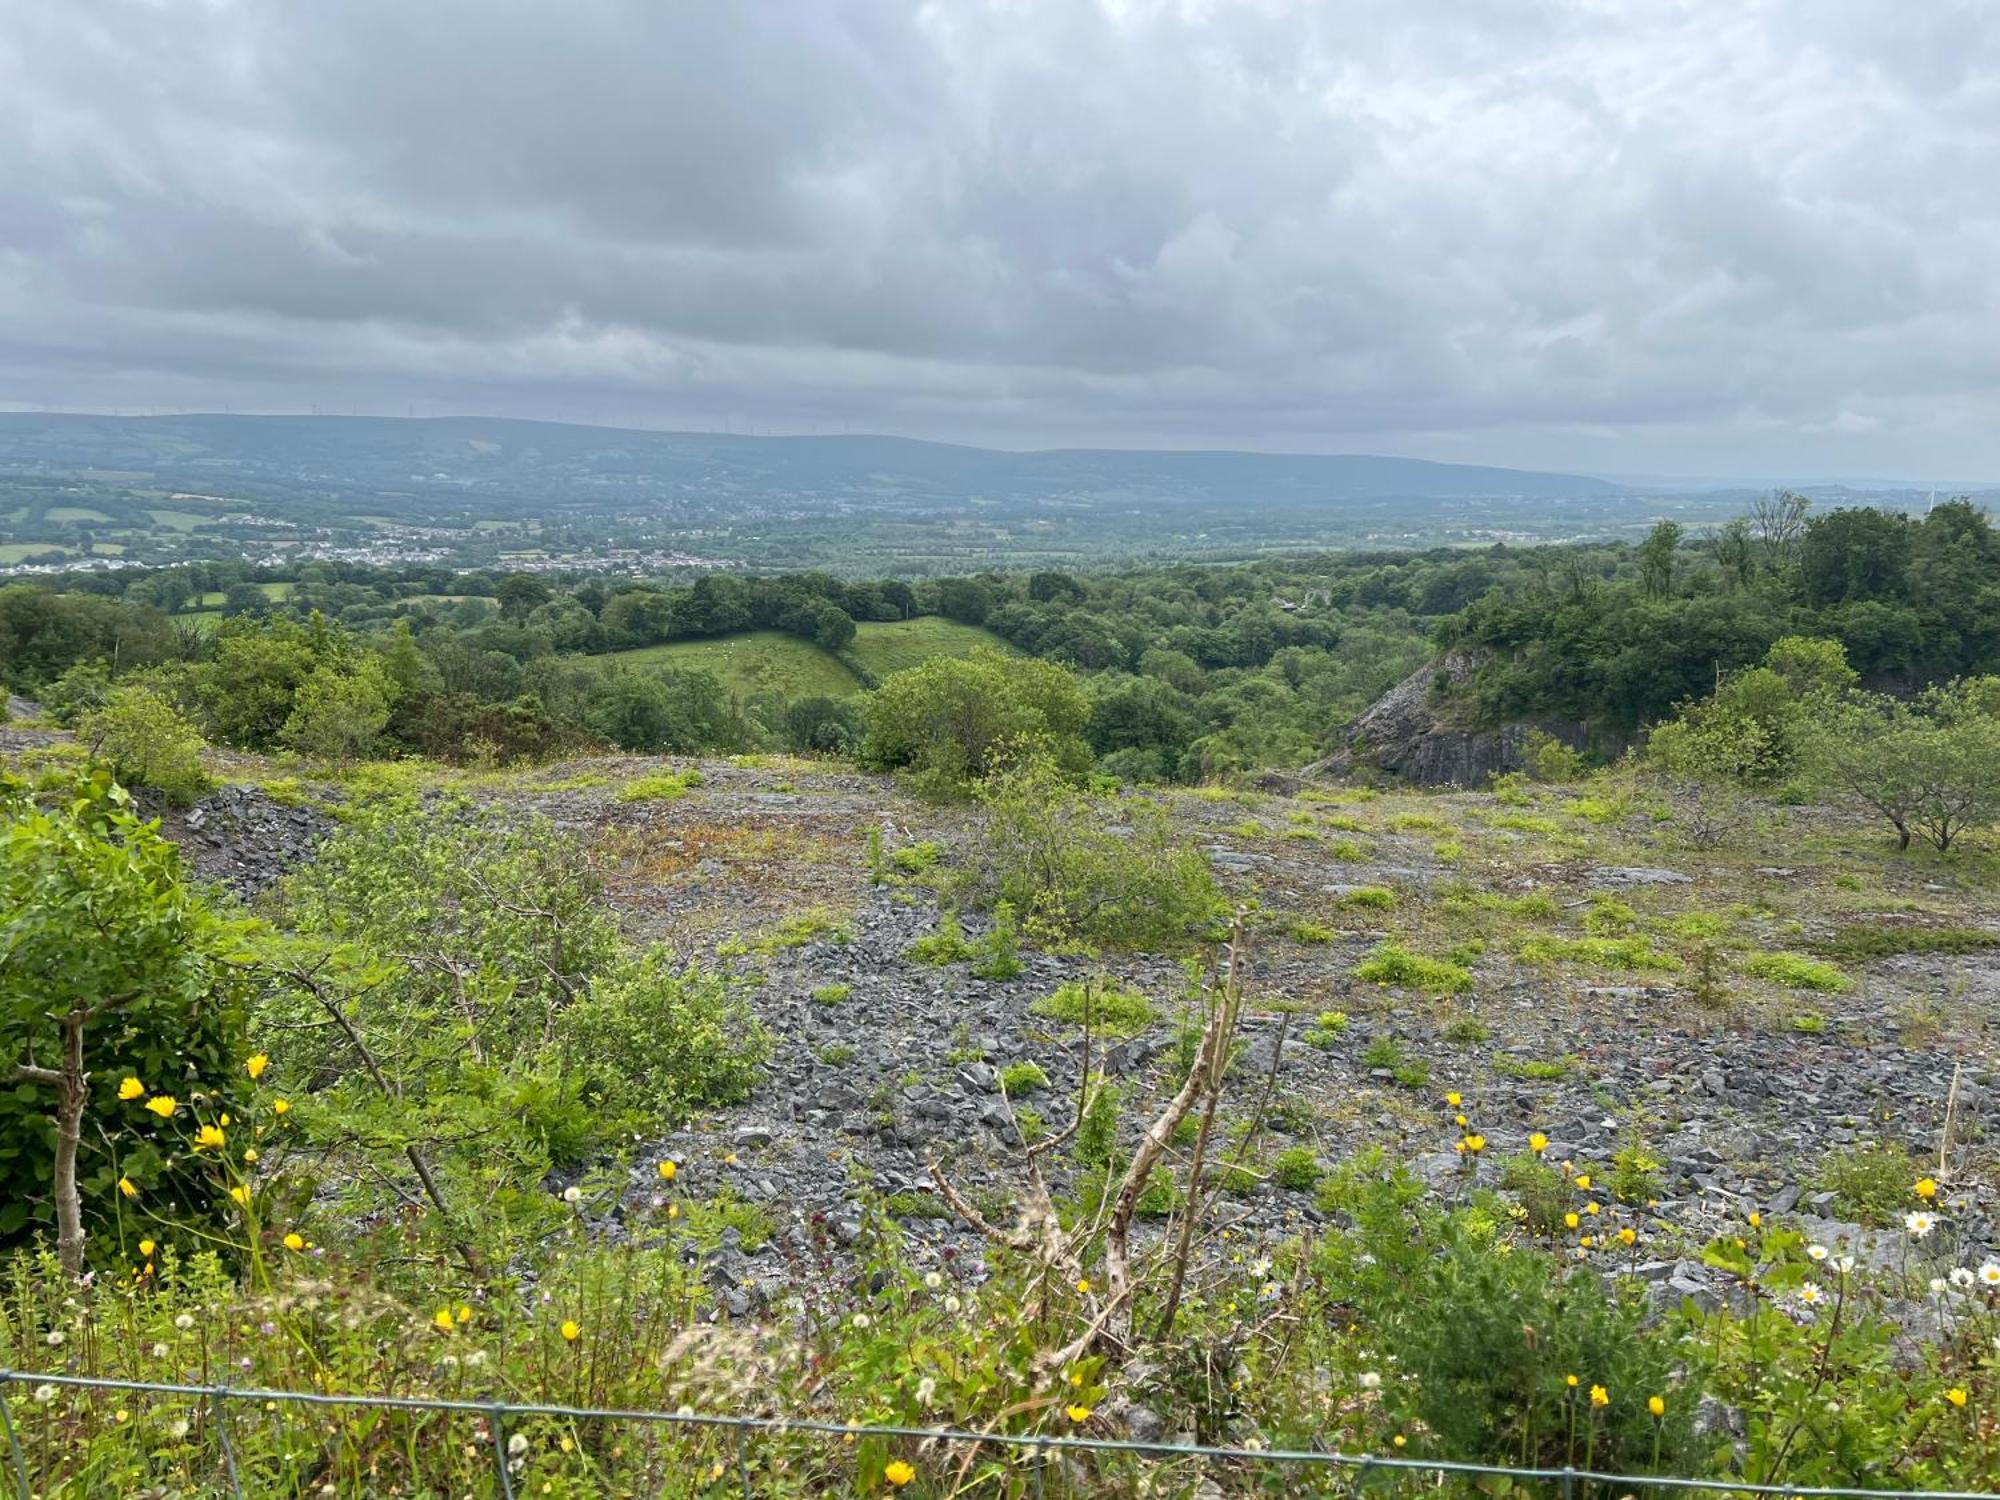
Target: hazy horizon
(1593,236)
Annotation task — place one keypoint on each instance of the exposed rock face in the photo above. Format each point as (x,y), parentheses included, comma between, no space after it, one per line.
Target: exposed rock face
(1409,732)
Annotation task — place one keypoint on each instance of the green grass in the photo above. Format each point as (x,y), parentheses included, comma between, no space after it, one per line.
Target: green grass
(1796,972)
(768,661)
(1391,964)
(1112,1009)
(275,591)
(13,552)
(763,661)
(667,786)
(1863,941)
(892,646)
(177,520)
(1597,952)
(73,513)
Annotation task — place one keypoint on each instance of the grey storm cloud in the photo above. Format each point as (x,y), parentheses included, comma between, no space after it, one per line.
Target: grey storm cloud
(1695,235)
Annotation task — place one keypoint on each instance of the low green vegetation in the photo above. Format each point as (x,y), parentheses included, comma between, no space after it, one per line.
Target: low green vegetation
(1797,972)
(1392,964)
(1103,1006)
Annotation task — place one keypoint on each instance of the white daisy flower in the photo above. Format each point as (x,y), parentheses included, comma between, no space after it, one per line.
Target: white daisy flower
(1919,1224)
(1817,1252)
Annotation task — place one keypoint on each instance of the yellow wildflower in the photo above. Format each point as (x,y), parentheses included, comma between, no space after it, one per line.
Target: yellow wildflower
(209,1135)
(1628,1235)
(1399,1440)
(295,1241)
(163,1105)
(667,1170)
(1475,1143)
(255,1065)
(1756,1220)
(1077,1414)
(899,1473)
(279,1106)
(1599,1396)
(1570,1381)
(571,1332)
(1452,1099)
(1657,1406)
(241,1194)
(1926,1188)
(1583,1181)
(131,1088)
(1084,1286)
(146,1248)
(464,1313)
(1572,1219)
(1538,1143)
(441,1320)
(126,1187)
(1956,1396)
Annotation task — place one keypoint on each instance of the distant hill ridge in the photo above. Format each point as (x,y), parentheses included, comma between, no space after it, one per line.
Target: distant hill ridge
(399,452)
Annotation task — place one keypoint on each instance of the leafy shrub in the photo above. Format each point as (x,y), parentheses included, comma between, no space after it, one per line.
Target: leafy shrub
(1065,864)
(1097,1130)
(1300,930)
(1543,1192)
(1467,1030)
(947,945)
(146,742)
(954,720)
(1108,1008)
(1297,1169)
(110,952)
(1871,1182)
(1635,1173)
(999,952)
(914,859)
(1549,759)
(1451,1313)
(1795,971)
(654,1040)
(831,994)
(1393,964)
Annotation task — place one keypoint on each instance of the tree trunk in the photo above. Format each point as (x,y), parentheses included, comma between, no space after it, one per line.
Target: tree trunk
(1902,833)
(70,1095)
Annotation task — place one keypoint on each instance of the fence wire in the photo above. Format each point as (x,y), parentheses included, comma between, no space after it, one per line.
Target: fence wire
(1359,1467)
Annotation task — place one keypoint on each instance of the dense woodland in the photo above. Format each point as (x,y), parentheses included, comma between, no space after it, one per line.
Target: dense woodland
(1192,671)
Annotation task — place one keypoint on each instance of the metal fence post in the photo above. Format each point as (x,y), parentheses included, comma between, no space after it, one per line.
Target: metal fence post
(1569,1482)
(218,1405)
(496,1427)
(13,1442)
(743,1461)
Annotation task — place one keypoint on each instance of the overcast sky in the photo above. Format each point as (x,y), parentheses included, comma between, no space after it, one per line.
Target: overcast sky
(1754,237)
